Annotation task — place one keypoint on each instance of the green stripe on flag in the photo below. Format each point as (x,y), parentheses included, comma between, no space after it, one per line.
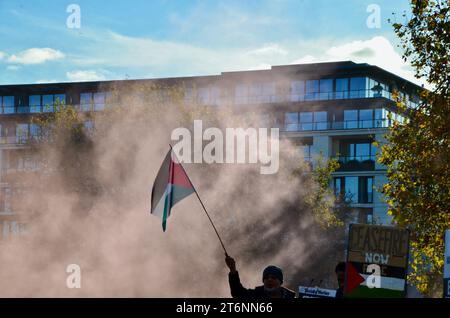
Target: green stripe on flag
(366,292)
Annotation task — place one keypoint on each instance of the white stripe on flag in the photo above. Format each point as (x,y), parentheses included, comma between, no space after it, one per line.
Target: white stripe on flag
(159,209)
(388,282)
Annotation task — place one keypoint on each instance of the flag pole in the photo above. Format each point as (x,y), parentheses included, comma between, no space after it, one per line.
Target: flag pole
(203,206)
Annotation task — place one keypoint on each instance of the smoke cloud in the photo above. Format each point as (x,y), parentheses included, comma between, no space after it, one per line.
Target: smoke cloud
(92,208)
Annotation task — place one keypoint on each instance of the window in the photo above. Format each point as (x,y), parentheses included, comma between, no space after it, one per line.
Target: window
(44,103)
(26,162)
(241,94)
(381,118)
(262,93)
(363,118)
(377,89)
(59,99)
(255,93)
(326,89)
(48,103)
(306,121)
(351,188)
(357,87)
(7,104)
(366,118)
(297,91)
(362,151)
(338,186)
(355,189)
(359,151)
(350,119)
(306,152)
(291,121)
(269,94)
(86,101)
(320,120)
(365,190)
(312,90)
(34,101)
(341,88)
(99,101)
(35,131)
(21,133)
(209,95)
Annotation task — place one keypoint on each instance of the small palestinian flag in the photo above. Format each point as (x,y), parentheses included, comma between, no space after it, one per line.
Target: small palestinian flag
(390,286)
(171,186)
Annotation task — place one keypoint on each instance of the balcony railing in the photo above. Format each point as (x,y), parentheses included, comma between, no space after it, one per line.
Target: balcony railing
(49,109)
(18,139)
(362,93)
(338,125)
(230,99)
(351,163)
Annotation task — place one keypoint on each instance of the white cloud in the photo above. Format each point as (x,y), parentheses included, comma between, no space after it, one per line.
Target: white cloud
(140,55)
(2,55)
(36,56)
(169,58)
(85,76)
(376,51)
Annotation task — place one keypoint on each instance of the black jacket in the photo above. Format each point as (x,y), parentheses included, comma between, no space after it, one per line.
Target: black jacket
(239,291)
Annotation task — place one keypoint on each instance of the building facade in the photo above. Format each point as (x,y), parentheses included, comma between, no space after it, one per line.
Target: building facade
(335,110)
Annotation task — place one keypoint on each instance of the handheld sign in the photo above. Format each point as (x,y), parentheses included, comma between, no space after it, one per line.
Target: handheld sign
(315,292)
(377,261)
(447,265)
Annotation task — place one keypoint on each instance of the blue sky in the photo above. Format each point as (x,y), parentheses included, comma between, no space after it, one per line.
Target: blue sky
(165,38)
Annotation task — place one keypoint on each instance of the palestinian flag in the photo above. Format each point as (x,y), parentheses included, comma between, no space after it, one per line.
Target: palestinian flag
(392,283)
(171,186)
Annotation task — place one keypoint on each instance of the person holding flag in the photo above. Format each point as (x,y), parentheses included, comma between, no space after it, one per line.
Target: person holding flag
(272,280)
(172,184)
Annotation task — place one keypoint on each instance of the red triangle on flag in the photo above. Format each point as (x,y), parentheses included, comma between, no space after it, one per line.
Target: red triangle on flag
(353,279)
(178,176)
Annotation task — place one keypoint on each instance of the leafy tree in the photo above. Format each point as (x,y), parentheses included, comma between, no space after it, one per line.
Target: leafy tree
(322,200)
(417,152)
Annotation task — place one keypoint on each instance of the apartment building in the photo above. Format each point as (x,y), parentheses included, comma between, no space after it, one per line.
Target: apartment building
(334,110)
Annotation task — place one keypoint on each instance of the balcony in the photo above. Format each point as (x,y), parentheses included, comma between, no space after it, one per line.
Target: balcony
(228,99)
(338,125)
(353,94)
(356,163)
(17,140)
